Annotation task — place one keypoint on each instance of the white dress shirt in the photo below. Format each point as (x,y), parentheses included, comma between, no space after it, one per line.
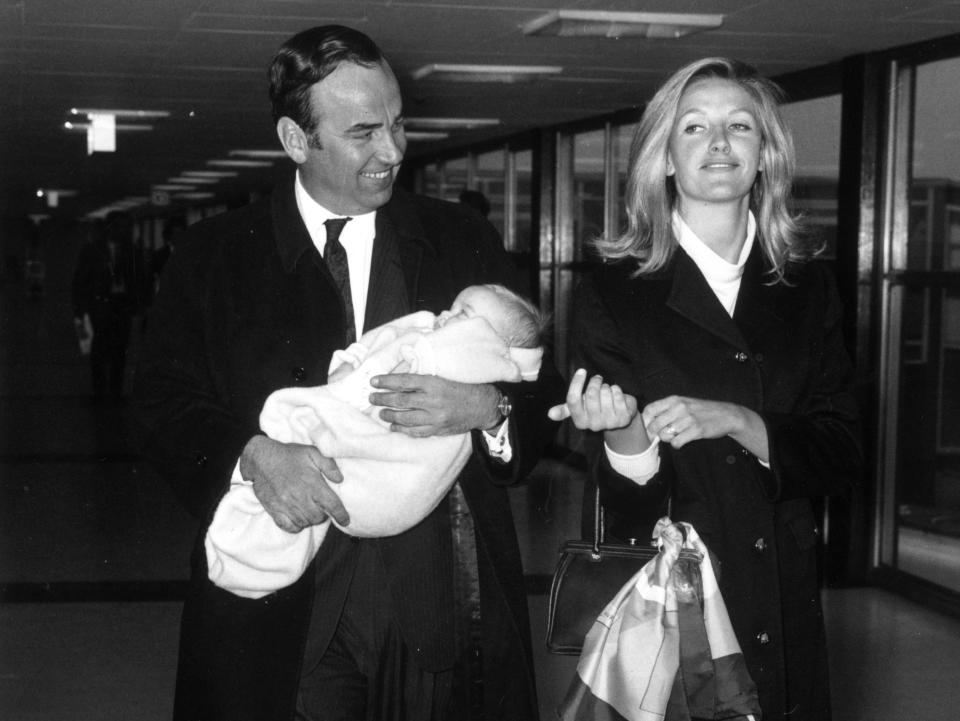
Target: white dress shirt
(357,239)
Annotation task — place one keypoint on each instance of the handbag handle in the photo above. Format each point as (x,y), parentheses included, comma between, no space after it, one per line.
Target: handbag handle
(600,522)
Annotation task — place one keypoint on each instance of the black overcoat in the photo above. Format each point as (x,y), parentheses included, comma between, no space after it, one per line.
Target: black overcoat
(246,307)
(781,355)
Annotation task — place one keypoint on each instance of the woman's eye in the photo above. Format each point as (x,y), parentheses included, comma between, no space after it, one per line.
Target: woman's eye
(692,128)
(741,127)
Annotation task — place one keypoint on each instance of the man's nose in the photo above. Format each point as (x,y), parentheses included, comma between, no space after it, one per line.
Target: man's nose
(392,145)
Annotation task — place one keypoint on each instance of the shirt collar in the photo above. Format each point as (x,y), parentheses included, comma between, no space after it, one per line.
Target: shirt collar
(314,215)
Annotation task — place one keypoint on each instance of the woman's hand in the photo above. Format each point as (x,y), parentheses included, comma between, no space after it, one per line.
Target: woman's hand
(678,420)
(599,407)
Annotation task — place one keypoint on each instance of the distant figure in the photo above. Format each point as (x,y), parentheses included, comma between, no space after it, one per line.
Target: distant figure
(476,200)
(107,291)
(173,228)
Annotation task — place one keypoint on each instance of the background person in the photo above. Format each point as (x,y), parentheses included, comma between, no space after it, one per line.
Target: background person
(108,289)
(717,368)
(428,624)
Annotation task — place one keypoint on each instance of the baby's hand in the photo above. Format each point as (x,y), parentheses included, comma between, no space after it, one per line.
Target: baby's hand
(601,407)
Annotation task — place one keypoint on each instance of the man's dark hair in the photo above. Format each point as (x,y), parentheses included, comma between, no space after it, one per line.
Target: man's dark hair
(306,59)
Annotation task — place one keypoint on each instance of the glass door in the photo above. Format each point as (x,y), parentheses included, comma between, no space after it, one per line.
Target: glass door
(920,508)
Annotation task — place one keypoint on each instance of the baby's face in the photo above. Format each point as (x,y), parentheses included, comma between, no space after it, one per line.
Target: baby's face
(471,303)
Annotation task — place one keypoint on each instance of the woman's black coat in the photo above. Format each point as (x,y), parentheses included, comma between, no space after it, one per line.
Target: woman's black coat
(781,355)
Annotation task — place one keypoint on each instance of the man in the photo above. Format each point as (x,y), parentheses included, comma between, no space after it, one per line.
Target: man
(381,628)
(108,289)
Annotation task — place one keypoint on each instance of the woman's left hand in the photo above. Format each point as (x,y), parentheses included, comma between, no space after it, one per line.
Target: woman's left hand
(677,420)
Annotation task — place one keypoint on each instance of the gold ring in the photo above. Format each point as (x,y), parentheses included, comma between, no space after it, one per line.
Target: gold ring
(671,430)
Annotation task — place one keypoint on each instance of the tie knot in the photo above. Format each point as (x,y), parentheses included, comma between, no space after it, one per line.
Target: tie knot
(334,227)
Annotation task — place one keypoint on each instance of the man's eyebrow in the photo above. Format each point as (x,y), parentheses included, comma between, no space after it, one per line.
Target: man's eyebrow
(363,127)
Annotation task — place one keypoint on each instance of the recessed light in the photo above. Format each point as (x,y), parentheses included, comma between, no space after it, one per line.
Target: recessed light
(121,113)
(240,163)
(124,127)
(193,179)
(424,135)
(485,73)
(210,173)
(194,196)
(450,123)
(611,24)
(257,153)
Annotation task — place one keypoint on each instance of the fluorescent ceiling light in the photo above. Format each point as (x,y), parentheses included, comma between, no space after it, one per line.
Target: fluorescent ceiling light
(609,24)
(194,196)
(210,173)
(422,135)
(485,73)
(125,127)
(193,179)
(172,186)
(53,195)
(121,113)
(62,192)
(450,123)
(257,154)
(240,163)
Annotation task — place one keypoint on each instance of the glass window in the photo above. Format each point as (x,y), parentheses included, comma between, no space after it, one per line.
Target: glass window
(815,125)
(927,427)
(622,137)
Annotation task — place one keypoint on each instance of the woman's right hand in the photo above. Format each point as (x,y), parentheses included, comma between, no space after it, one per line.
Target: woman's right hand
(598,407)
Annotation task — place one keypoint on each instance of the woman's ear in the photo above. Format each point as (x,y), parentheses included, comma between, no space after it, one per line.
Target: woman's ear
(670,169)
(293,140)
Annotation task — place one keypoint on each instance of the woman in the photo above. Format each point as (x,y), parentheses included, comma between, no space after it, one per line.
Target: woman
(720,380)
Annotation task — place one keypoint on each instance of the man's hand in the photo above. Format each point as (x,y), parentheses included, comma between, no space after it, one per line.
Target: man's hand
(421,405)
(290,481)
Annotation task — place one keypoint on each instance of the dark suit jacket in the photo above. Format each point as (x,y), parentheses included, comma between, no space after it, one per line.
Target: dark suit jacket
(246,307)
(781,355)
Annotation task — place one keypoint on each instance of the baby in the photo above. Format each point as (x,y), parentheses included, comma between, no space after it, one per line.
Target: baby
(391,481)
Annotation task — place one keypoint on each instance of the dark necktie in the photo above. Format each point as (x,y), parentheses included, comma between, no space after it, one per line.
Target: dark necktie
(336,259)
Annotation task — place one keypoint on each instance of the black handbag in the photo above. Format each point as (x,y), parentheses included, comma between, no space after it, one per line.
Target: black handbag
(589,574)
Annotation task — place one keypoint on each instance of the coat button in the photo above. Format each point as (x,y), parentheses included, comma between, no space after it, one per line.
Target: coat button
(763,638)
(298,374)
(200,459)
(741,357)
(731,459)
(760,545)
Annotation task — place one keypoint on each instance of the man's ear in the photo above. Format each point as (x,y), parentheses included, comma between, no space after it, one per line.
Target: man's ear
(293,140)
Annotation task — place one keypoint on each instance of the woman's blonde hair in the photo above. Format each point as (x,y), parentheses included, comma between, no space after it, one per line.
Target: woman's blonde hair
(651,193)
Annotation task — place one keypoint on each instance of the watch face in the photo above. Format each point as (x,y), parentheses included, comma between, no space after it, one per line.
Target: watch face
(504,406)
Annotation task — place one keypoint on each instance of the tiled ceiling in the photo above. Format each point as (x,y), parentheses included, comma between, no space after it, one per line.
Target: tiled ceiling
(204,61)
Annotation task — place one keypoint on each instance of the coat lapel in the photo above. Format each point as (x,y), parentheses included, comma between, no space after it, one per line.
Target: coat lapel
(402,250)
(691,296)
(390,293)
(760,306)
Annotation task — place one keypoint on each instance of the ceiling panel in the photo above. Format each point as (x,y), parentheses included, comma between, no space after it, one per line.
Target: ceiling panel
(205,62)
